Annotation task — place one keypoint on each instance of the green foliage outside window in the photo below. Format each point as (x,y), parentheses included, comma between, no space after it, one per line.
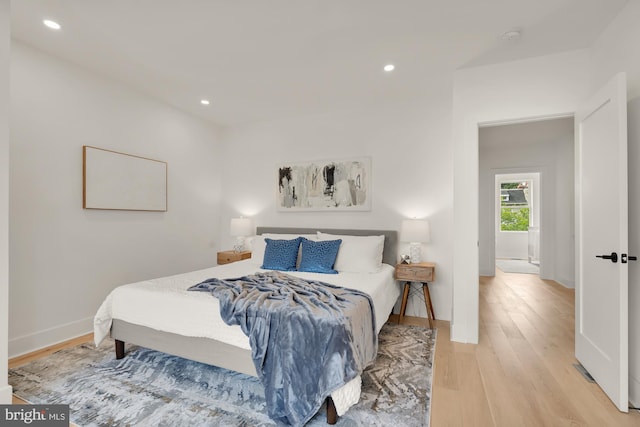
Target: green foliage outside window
(514,219)
(509,185)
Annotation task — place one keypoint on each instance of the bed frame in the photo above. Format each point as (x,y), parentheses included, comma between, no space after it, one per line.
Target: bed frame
(217,353)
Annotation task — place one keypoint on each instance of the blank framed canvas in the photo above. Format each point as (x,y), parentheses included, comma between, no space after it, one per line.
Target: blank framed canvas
(118,181)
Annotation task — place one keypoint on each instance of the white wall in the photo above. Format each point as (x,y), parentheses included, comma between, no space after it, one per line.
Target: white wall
(617,50)
(510,245)
(5,388)
(63,259)
(537,87)
(411,160)
(540,146)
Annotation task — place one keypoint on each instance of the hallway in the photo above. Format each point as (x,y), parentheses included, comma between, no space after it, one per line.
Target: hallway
(521,373)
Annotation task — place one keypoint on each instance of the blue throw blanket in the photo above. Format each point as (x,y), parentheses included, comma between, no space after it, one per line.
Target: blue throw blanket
(307,338)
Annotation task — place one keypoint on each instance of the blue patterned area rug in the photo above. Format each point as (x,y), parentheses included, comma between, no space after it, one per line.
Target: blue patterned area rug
(149,388)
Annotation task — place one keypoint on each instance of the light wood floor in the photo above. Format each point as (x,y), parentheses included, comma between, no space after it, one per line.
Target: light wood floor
(520,374)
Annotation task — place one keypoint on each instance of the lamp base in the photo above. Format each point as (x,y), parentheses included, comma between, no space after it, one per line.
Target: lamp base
(415,250)
(239,245)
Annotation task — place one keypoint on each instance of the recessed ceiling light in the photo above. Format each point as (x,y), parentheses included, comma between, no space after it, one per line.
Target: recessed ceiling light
(389,67)
(51,24)
(204,102)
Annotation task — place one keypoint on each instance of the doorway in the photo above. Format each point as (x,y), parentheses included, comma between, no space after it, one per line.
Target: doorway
(546,148)
(517,222)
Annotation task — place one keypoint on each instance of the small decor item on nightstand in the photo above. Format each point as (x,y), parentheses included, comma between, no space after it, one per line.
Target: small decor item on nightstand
(405,259)
(241,228)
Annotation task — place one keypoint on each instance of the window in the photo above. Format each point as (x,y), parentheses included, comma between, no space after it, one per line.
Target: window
(514,206)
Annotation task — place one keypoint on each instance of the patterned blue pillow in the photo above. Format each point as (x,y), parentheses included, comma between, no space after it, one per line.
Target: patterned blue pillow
(280,254)
(319,257)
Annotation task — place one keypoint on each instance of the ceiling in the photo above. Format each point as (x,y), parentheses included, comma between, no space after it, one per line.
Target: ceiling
(263,60)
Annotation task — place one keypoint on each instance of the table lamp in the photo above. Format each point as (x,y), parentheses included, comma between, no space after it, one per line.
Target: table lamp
(240,228)
(416,232)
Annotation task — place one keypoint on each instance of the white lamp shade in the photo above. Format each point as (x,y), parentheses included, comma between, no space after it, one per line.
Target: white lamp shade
(415,230)
(241,227)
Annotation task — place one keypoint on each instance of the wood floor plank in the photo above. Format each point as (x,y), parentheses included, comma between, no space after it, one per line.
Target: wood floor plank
(544,384)
(497,390)
(474,407)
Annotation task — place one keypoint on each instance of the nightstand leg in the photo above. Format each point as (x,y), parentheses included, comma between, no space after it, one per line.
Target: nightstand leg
(405,296)
(427,303)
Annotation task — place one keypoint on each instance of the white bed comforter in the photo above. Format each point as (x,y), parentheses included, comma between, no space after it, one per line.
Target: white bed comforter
(165,304)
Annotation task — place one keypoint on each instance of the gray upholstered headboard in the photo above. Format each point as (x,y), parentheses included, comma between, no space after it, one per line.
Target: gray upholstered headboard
(389,255)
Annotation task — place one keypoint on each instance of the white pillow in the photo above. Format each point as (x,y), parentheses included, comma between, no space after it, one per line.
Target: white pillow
(357,254)
(258,244)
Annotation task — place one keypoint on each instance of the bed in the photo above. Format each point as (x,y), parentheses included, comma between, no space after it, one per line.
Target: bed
(162,315)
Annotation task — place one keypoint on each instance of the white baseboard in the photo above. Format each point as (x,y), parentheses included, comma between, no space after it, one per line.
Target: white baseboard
(28,343)
(634,391)
(570,284)
(486,272)
(5,395)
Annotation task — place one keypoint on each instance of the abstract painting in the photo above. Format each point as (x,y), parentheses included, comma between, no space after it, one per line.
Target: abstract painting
(332,185)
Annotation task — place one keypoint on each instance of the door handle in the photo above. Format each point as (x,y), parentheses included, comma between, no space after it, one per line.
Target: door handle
(624,258)
(613,257)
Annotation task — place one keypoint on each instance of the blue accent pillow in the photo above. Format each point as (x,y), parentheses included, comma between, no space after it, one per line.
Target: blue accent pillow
(319,257)
(280,254)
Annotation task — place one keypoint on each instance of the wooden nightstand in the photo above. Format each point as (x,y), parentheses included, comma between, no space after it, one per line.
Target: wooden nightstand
(423,272)
(227,257)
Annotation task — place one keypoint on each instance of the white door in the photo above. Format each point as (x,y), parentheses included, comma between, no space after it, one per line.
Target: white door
(601,230)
